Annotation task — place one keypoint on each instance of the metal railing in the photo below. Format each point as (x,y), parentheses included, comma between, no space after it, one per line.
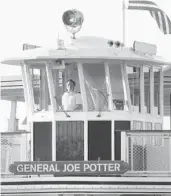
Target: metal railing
(149,152)
(15,146)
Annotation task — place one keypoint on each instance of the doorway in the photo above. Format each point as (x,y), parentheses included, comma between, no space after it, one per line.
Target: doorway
(120,126)
(99,140)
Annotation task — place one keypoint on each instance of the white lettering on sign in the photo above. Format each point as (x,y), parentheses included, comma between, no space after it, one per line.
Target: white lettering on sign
(45,167)
(102,167)
(33,168)
(117,167)
(20,168)
(53,168)
(27,168)
(71,168)
(64,167)
(39,167)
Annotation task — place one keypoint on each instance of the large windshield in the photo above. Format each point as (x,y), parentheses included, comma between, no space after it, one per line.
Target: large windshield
(95,85)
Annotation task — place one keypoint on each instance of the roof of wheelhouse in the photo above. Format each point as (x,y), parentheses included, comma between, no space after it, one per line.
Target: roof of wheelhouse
(87,48)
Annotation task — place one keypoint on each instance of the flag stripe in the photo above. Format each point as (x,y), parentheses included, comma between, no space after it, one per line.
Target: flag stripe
(143,2)
(142,5)
(143,8)
(167,23)
(155,16)
(160,17)
(164,23)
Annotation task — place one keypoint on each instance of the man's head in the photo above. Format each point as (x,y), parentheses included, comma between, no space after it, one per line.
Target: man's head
(70,85)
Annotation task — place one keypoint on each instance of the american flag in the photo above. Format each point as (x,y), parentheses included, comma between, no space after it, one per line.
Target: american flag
(160,17)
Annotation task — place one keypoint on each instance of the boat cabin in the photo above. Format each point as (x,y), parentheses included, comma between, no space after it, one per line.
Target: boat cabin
(118,88)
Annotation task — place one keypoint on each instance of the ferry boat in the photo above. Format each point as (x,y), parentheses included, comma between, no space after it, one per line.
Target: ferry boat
(120,120)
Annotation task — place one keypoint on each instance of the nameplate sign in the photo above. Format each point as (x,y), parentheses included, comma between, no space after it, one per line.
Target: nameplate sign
(145,48)
(69,167)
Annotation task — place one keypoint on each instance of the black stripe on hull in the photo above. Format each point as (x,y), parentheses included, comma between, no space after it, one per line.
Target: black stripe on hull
(87,183)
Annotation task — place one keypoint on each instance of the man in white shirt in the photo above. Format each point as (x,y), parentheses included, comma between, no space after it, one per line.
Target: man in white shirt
(71,100)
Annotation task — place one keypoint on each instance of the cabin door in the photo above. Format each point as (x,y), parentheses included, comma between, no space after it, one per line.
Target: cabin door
(99,140)
(120,126)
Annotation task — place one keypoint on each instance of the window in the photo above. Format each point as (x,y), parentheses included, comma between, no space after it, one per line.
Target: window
(66,101)
(95,84)
(69,140)
(117,87)
(137,125)
(158,126)
(148,126)
(134,86)
(40,88)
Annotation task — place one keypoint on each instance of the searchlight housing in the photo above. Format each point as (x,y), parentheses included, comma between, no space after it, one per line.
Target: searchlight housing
(73,20)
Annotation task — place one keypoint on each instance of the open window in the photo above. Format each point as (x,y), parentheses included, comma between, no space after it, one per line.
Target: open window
(133,73)
(118,97)
(38,78)
(60,78)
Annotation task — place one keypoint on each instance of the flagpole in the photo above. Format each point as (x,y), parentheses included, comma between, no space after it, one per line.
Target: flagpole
(123,23)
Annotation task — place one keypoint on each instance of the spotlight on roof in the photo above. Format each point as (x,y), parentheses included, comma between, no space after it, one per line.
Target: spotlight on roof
(116,44)
(73,20)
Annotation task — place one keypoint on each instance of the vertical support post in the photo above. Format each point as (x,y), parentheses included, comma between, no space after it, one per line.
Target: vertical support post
(51,87)
(28,110)
(31,127)
(152,91)
(123,145)
(132,153)
(126,87)
(128,100)
(82,86)
(169,150)
(29,87)
(127,148)
(43,90)
(109,88)
(30,99)
(85,107)
(170,110)
(113,140)
(161,93)
(142,93)
(26,96)
(142,89)
(85,140)
(123,22)
(13,122)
